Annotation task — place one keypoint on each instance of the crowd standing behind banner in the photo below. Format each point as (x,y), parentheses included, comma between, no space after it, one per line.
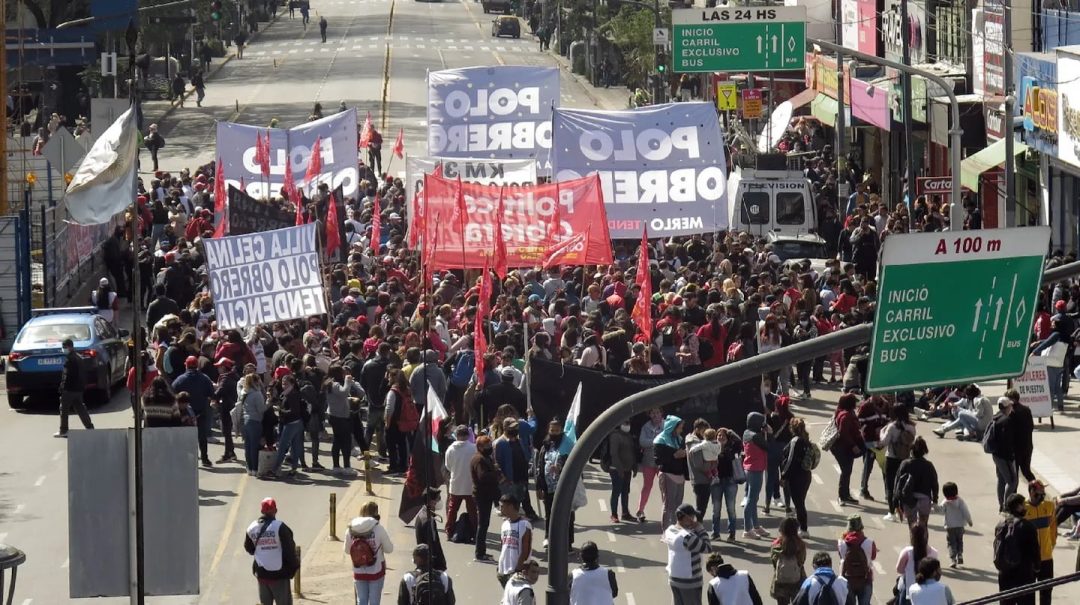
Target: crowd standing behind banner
(396,344)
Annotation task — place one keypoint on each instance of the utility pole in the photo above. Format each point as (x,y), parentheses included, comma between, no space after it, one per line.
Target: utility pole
(905,84)
(1010,101)
(661,59)
(4,204)
(843,188)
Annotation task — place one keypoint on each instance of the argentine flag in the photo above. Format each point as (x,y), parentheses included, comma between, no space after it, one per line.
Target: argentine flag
(570,427)
(436,414)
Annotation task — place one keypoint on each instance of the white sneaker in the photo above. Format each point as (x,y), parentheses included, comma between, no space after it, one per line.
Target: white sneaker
(760,531)
(743,503)
(749,535)
(777,503)
(889,517)
(545,543)
(804,534)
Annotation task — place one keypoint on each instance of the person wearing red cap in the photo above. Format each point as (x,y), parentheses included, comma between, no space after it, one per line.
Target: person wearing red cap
(200,389)
(271,543)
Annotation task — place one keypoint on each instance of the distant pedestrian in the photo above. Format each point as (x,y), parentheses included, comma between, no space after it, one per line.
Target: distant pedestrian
(72,385)
(271,543)
(928,589)
(105,300)
(240,40)
(305,12)
(225,396)
(485,477)
(367,544)
(686,541)
(1040,512)
(519,588)
(375,151)
(200,389)
(292,8)
(857,553)
(425,585)
(730,585)
(1017,553)
(458,462)
(620,462)
(957,516)
(823,579)
(322,28)
(592,583)
(178,87)
(426,528)
(199,84)
(154,142)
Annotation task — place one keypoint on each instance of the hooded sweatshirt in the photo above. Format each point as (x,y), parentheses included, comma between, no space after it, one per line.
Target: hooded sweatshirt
(666,444)
(732,587)
(852,540)
(755,446)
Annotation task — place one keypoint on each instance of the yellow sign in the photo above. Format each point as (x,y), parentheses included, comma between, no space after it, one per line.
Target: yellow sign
(727,98)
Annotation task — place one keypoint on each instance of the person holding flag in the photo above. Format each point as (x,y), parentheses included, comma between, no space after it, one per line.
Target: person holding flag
(554,451)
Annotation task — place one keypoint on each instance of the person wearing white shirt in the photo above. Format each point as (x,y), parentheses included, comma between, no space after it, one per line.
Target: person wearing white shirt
(519,588)
(912,556)
(592,583)
(928,589)
(516,538)
(458,461)
(368,580)
(730,586)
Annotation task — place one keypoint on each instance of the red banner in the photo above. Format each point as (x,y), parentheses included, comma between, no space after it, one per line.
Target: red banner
(528,211)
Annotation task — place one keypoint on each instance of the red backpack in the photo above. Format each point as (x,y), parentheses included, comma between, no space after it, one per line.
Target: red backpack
(735,351)
(361,552)
(408,417)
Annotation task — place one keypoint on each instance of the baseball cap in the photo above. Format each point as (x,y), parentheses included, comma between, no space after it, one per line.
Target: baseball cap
(224,362)
(509,423)
(1059,305)
(103,282)
(281,371)
(268,506)
(191,362)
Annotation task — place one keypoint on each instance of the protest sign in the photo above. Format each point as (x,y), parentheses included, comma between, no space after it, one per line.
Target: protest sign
(1034,387)
(662,167)
(528,222)
(474,170)
(249,215)
(337,147)
(260,278)
(501,112)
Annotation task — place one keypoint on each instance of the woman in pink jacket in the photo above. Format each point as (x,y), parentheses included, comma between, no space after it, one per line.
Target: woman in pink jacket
(755,461)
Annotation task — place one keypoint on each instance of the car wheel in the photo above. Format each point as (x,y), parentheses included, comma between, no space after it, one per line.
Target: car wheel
(16,402)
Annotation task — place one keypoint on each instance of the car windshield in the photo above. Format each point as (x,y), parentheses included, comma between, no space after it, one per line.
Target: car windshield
(798,249)
(53,333)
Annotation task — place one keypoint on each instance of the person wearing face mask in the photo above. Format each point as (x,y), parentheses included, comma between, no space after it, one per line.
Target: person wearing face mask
(1040,512)
(72,385)
(804,331)
(550,461)
(292,425)
(485,476)
(619,461)
(671,460)
(649,432)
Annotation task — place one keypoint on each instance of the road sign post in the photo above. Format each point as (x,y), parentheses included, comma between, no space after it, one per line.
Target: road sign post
(955,307)
(760,38)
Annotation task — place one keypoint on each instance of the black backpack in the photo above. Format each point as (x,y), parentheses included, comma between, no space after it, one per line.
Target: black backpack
(464,533)
(1007,553)
(429,589)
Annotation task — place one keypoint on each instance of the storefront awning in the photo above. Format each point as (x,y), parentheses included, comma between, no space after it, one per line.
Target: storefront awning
(804,97)
(824,108)
(993,156)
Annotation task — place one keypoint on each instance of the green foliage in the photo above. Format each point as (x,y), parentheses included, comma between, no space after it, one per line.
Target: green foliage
(631,32)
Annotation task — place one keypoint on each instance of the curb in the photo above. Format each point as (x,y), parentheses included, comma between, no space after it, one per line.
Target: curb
(564,65)
(214,70)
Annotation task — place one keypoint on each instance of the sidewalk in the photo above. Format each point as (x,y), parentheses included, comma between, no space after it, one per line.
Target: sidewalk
(613,98)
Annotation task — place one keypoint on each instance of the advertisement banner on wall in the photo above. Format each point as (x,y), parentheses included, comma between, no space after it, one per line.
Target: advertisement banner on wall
(337,146)
(993,48)
(870,103)
(501,112)
(867,25)
(1037,101)
(1068,120)
(472,170)
(662,166)
(893,31)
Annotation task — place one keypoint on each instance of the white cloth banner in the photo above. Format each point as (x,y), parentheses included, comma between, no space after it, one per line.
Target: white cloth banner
(260,278)
(1034,387)
(471,170)
(104,183)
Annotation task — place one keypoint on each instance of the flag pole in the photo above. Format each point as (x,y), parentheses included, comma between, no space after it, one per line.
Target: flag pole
(138,595)
(461,203)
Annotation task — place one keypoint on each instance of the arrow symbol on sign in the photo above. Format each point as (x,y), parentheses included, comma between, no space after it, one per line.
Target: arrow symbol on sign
(997,313)
(978,309)
(759,43)
(774,43)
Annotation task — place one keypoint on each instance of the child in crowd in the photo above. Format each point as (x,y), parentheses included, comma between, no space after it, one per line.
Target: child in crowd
(957,516)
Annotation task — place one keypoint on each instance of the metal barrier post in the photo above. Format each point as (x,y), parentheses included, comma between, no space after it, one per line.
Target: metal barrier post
(367,473)
(296,578)
(333,518)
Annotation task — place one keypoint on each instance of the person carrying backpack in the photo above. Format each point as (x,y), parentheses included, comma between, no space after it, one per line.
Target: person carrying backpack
(824,587)
(367,545)
(1016,550)
(998,442)
(402,418)
(271,544)
(788,555)
(896,438)
(916,485)
(424,585)
(857,553)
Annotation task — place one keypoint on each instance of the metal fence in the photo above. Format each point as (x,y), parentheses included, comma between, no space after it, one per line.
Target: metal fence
(67,253)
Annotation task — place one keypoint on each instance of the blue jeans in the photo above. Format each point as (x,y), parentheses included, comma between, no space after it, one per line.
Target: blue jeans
(369,592)
(967,420)
(724,490)
(865,596)
(252,436)
(1057,394)
(292,443)
(753,491)
(620,491)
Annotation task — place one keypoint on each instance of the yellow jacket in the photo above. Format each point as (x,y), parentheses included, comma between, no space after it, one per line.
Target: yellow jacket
(1042,517)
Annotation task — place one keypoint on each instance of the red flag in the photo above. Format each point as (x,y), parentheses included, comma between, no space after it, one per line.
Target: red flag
(480,345)
(500,243)
(554,254)
(460,209)
(221,216)
(365,132)
(314,167)
(642,313)
(262,153)
(555,227)
(376,225)
(333,232)
(399,144)
(288,190)
(429,249)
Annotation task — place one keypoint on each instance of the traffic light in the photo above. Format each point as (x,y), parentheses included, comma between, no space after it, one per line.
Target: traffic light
(215,10)
(661,62)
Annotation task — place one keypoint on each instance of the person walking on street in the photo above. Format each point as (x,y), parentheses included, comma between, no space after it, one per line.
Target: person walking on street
(375,151)
(725,486)
(1040,512)
(458,463)
(305,12)
(857,554)
(291,410)
(729,585)
(671,461)
(200,388)
(516,538)
(910,557)
(873,415)
(485,478)
(271,542)
(928,589)
(425,584)
(426,528)
(253,408)
(998,442)
(178,85)
(916,485)
(957,516)
(649,432)
(199,84)
(592,583)
(755,461)
(240,40)
(620,463)
(897,438)
(1022,425)
(367,544)
(686,540)
(322,28)
(823,579)
(519,588)
(72,386)
(788,557)
(849,445)
(154,142)
(1017,552)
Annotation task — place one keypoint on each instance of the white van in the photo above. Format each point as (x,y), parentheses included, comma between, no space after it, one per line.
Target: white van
(764,201)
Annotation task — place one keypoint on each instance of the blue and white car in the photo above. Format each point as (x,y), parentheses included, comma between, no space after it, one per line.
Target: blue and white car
(36,361)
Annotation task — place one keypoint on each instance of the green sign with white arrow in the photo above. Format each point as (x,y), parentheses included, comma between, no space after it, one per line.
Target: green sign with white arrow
(762,38)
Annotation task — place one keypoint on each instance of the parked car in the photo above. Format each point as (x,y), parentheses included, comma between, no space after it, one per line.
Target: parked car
(506,26)
(497,6)
(36,361)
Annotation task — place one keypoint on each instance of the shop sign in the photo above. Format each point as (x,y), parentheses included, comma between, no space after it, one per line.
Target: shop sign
(933,185)
(1037,101)
(893,31)
(1068,121)
(821,74)
(859,26)
(995,120)
(918,98)
(993,48)
(870,103)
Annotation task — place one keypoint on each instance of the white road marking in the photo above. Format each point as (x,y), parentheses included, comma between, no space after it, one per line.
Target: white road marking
(610,536)
(27,601)
(878,521)
(878,569)
(619,567)
(817,479)
(835,506)
(837,467)
(19,509)
(40,481)
(630,599)
(67,563)
(58,455)
(3,536)
(603,505)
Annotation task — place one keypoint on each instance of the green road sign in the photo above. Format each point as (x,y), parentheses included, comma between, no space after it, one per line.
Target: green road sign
(955,307)
(762,38)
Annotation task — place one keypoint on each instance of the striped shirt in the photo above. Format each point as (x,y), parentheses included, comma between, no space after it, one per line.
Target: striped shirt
(685,547)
